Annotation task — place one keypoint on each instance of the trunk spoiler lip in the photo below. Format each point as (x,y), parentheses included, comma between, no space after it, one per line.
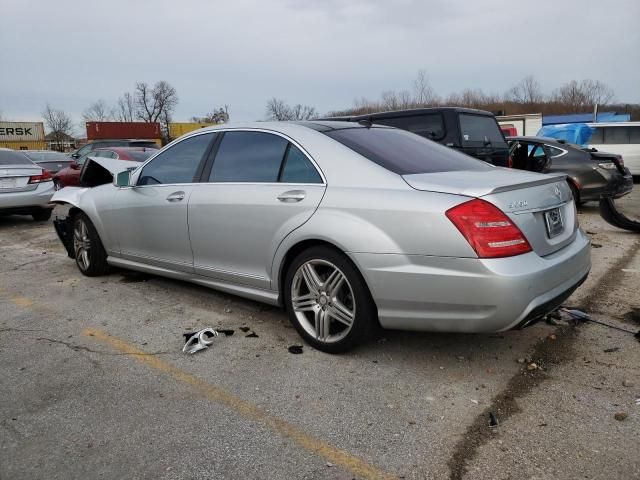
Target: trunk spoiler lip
(423,183)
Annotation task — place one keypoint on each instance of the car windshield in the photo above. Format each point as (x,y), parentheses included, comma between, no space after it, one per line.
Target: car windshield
(480,130)
(13,158)
(403,152)
(140,156)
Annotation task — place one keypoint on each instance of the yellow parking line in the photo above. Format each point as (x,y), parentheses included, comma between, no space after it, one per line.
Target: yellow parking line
(217,394)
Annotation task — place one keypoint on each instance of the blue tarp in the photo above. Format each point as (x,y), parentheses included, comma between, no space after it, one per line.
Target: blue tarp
(585,118)
(577,133)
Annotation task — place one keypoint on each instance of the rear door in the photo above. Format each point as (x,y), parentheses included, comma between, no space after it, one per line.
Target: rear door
(481,137)
(259,187)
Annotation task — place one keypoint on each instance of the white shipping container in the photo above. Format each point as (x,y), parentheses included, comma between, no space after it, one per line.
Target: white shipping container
(21,132)
(526,124)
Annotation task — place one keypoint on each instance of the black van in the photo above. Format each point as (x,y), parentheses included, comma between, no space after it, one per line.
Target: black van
(474,132)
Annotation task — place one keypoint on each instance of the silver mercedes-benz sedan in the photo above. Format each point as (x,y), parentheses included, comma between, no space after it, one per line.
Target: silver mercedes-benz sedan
(25,188)
(348,226)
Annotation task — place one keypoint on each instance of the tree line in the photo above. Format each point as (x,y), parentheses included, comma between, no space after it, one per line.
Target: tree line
(526,96)
(157,103)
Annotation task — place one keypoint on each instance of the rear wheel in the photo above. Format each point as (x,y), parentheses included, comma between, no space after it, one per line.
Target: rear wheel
(42,215)
(327,300)
(90,255)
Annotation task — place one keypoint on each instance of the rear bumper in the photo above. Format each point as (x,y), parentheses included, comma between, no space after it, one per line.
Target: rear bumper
(25,202)
(614,185)
(414,292)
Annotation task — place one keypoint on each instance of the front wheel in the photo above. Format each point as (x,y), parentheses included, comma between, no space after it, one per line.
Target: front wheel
(90,255)
(327,300)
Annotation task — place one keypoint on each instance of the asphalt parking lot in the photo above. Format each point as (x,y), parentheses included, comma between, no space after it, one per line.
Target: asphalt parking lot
(94,384)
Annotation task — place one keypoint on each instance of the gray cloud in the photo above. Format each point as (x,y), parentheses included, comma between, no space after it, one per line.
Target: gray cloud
(325,54)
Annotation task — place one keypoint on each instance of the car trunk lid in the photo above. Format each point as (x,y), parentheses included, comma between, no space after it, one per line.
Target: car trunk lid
(535,203)
(15,178)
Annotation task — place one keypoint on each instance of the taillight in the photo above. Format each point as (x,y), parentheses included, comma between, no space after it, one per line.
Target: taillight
(509,162)
(488,230)
(44,177)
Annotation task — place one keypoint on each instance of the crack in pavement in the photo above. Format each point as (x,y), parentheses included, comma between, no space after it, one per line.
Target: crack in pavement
(545,353)
(76,348)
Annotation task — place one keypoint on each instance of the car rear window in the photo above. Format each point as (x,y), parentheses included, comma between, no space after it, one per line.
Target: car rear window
(479,131)
(46,156)
(403,152)
(13,158)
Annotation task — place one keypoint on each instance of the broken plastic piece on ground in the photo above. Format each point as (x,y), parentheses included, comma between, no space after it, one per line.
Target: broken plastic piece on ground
(295,349)
(252,335)
(245,329)
(611,350)
(584,317)
(199,340)
(227,332)
(493,420)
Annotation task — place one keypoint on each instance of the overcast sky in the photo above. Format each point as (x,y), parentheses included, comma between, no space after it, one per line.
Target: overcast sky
(320,53)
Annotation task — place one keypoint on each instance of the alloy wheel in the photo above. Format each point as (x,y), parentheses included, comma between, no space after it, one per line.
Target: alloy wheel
(82,244)
(322,300)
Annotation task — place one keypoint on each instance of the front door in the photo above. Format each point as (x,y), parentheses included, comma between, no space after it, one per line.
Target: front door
(260,188)
(151,217)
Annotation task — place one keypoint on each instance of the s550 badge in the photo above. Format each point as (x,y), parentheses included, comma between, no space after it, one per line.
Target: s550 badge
(518,204)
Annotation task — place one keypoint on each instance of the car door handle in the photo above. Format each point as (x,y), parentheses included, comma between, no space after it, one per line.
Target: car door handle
(175,197)
(292,196)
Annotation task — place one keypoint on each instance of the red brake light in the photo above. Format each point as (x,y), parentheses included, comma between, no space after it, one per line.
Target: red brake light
(488,230)
(44,177)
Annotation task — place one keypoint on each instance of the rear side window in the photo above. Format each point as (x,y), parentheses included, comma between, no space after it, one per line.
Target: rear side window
(248,157)
(555,152)
(298,169)
(177,164)
(479,131)
(430,126)
(13,158)
(404,153)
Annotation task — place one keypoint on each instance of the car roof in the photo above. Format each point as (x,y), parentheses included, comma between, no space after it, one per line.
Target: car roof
(126,149)
(411,112)
(284,126)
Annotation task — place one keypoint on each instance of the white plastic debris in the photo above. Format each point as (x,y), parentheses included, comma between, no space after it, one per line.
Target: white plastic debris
(199,340)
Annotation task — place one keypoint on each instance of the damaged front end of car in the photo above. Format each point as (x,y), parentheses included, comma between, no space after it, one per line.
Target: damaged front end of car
(70,201)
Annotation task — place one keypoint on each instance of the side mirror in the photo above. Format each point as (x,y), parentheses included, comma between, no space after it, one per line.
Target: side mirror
(123,179)
(75,155)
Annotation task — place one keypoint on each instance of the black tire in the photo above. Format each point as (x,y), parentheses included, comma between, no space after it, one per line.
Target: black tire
(94,263)
(365,321)
(42,215)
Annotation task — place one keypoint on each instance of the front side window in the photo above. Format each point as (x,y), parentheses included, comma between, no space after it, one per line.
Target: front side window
(248,157)
(430,126)
(479,131)
(177,164)
(298,169)
(404,153)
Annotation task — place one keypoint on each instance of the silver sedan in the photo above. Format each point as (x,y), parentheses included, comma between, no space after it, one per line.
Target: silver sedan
(25,188)
(349,227)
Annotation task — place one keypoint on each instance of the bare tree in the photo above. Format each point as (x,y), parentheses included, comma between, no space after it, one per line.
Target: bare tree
(59,124)
(217,115)
(423,92)
(527,91)
(152,103)
(581,95)
(126,108)
(98,112)
(278,110)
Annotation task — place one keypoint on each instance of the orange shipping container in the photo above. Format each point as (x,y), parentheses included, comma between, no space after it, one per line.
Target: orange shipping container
(113,130)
